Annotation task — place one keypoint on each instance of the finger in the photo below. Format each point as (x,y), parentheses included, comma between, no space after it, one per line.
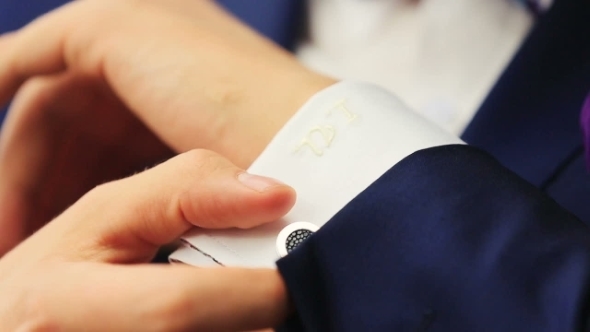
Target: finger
(63,136)
(62,38)
(197,188)
(31,143)
(72,36)
(25,53)
(165,298)
(25,142)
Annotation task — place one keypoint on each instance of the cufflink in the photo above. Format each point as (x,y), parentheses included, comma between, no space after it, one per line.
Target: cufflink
(293,235)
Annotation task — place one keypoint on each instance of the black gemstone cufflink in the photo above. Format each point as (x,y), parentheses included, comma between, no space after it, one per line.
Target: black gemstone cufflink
(293,235)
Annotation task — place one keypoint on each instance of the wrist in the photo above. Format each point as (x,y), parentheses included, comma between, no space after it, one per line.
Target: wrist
(255,124)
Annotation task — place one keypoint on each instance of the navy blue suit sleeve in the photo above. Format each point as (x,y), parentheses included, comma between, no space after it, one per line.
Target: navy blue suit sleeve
(446,240)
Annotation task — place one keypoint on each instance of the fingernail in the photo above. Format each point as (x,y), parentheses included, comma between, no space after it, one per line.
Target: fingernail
(258,183)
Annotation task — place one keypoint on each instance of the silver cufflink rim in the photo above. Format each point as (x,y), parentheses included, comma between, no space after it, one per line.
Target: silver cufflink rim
(288,230)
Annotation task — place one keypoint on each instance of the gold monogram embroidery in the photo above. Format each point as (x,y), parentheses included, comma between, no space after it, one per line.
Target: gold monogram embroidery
(326,133)
(341,106)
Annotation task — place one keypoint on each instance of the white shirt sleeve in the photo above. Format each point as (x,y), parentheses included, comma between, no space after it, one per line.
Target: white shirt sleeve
(342,140)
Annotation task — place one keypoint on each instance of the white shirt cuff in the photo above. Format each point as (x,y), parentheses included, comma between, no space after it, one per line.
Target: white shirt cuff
(342,140)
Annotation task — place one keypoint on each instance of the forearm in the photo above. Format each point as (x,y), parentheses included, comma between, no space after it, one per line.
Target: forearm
(233,97)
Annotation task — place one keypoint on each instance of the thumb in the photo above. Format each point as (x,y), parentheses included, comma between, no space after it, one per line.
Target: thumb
(153,208)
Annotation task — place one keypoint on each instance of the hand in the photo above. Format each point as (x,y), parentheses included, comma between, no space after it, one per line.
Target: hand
(70,276)
(106,88)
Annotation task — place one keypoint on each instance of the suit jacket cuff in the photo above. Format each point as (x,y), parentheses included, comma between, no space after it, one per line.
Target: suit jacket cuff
(446,240)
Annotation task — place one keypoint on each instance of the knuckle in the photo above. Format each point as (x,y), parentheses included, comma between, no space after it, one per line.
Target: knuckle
(97,199)
(101,192)
(192,208)
(34,95)
(34,87)
(203,162)
(199,157)
(202,204)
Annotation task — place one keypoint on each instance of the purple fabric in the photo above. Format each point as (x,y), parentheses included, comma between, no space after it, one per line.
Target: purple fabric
(585,123)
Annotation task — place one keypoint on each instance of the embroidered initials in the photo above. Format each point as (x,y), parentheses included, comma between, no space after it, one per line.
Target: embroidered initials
(327,133)
(341,106)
